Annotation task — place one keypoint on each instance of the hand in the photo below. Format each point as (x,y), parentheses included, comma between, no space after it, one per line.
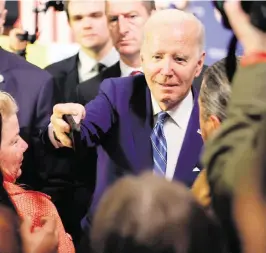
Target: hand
(251,38)
(60,127)
(40,240)
(15,43)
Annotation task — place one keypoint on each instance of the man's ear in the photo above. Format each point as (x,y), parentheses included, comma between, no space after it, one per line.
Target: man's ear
(216,123)
(200,64)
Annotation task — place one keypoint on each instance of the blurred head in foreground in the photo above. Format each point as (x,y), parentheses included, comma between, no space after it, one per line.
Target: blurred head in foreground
(214,97)
(149,214)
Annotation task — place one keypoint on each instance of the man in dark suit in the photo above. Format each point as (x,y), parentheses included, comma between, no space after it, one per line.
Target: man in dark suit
(70,184)
(88,24)
(150,121)
(32,89)
(129,59)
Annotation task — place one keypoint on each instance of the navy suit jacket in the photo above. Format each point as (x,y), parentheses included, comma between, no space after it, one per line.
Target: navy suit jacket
(32,89)
(120,121)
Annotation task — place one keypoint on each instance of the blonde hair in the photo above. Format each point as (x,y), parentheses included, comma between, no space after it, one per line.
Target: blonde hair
(8,105)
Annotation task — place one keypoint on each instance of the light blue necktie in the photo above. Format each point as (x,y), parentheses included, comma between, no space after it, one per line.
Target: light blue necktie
(159,145)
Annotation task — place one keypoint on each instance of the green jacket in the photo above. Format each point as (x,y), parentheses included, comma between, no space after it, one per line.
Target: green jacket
(233,150)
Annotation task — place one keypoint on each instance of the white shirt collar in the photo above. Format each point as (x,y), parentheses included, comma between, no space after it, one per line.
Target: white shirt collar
(111,58)
(87,63)
(180,113)
(127,70)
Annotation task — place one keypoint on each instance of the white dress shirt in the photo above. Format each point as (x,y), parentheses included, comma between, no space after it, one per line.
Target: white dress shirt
(127,70)
(174,130)
(87,66)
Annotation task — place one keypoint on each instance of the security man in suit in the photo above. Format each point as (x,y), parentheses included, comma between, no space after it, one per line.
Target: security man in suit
(88,24)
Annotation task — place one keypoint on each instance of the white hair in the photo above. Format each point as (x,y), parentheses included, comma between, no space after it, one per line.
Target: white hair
(174,17)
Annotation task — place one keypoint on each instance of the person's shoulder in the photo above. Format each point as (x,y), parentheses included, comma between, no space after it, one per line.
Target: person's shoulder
(123,85)
(17,64)
(63,65)
(112,71)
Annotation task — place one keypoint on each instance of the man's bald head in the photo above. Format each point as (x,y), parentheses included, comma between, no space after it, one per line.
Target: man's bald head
(175,19)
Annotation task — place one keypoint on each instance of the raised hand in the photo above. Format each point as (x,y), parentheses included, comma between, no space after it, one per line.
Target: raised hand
(41,240)
(60,127)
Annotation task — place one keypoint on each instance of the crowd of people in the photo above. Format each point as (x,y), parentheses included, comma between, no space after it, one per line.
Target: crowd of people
(168,155)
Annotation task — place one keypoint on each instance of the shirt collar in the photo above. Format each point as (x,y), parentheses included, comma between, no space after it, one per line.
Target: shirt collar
(180,113)
(87,63)
(111,58)
(127,70)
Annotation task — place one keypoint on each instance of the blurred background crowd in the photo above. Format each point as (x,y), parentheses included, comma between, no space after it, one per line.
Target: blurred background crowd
(56,41)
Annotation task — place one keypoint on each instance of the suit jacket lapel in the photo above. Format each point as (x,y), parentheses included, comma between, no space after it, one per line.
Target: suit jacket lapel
(113,71)
(141,119)
(191,147)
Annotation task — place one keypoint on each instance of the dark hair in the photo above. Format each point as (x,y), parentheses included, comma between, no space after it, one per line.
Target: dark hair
(151,215)
(149,5)
(215,91)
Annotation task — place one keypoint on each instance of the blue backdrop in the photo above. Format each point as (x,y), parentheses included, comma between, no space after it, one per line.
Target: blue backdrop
(217,38)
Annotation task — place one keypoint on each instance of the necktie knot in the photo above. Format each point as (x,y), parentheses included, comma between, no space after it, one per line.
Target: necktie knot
(101,67)
(162,116)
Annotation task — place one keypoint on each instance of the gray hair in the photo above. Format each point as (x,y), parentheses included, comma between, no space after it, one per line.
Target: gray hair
(215,91)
